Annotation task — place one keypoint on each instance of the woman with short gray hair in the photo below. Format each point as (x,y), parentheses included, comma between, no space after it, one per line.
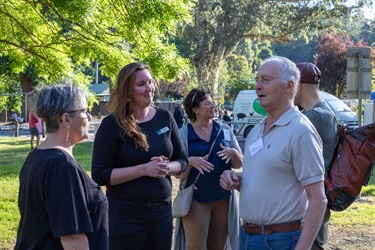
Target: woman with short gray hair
(60,205)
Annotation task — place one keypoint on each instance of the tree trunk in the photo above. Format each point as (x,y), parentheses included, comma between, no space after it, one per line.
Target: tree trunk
(26,83)
(208,75)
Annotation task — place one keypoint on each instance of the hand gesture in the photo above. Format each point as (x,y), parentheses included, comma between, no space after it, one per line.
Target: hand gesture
(201,164)
(225,154)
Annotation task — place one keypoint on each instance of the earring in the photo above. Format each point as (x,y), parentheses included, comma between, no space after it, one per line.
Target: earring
(67,134)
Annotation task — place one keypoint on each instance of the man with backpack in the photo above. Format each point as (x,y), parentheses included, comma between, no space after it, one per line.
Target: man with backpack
(324,121)
(282,200)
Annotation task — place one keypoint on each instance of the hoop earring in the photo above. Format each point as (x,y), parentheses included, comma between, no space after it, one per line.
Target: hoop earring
(67,135)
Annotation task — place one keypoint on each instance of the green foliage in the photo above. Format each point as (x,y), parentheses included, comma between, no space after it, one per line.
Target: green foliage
(241,81)
(9,84)
(237,75)
(299,50)
(60,37)
(219,26)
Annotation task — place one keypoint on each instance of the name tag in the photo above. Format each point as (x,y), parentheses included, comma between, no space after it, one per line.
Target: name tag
(256,146)
(162,131)
(226,135)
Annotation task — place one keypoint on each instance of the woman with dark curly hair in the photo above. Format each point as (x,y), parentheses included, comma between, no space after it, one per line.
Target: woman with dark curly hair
(208,223)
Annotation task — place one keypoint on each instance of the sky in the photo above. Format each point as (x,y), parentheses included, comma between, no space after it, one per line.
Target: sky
(370,12)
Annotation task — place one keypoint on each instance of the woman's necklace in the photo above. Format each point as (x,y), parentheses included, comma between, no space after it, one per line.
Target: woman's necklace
(202,127)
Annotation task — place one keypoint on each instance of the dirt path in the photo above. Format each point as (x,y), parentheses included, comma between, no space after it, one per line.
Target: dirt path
(353,238)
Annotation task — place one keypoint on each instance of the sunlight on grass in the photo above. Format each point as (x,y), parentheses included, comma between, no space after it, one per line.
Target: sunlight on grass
(13,152)
(9,211)
(359,213)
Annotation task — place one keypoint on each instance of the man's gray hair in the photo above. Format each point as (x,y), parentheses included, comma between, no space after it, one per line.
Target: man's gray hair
(53,101)
(288,70)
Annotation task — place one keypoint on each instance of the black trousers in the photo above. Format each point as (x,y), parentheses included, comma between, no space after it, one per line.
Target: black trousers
(140,226)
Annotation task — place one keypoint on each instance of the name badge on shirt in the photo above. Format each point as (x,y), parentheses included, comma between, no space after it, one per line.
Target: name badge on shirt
(256,146)
(163,130)
(226,135)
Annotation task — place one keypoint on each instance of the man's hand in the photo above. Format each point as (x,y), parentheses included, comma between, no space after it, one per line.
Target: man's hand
(230,180)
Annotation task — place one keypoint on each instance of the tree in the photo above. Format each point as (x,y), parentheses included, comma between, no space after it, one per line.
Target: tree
(332,60)
(59,37)
(9,83)
(302,49)
(175,90)
(220,25)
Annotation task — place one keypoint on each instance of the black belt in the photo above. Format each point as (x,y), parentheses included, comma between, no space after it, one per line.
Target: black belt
(272,228)
(149,204)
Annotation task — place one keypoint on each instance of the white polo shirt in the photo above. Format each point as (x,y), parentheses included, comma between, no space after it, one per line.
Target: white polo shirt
(276,167)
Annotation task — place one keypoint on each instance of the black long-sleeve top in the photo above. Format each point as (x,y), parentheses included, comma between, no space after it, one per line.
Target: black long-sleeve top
(112,149)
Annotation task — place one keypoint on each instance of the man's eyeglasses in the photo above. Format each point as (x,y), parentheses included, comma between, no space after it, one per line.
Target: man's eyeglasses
(80,110)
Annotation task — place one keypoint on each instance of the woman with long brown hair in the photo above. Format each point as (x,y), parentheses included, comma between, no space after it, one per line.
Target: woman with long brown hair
(136,149)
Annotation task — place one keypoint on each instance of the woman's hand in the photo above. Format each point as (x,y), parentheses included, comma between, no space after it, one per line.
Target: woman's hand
(225,154)
(201,164)
(157,167)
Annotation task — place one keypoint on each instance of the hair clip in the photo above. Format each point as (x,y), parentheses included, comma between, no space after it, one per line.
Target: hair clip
(192,99)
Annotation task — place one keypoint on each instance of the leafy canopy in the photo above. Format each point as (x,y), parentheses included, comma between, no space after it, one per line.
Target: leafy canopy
(58,37)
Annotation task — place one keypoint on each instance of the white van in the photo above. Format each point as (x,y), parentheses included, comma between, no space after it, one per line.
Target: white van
(247,112)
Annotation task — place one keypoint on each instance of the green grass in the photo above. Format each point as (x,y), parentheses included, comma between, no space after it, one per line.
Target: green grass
(359,213)
(13,152)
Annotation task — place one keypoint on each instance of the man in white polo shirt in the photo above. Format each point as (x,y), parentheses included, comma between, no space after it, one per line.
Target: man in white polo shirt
(282,198)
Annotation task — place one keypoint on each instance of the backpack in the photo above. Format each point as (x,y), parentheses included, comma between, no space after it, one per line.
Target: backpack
(351,166)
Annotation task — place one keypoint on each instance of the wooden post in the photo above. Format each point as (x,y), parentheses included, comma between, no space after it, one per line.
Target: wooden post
(16,128)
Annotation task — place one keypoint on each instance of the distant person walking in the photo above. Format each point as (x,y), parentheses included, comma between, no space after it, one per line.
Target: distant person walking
(226,117)
(34,131)
(179,115)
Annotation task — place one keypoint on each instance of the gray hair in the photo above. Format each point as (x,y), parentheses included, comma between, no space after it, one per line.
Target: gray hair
(288,70)
(53,101)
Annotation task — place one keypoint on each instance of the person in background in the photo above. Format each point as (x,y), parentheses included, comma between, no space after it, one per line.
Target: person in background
(213,213)
(282,200)
(220,114)
(136,149)
(324,121)
(33,128)
(226,117)
(179,115)
(61,206)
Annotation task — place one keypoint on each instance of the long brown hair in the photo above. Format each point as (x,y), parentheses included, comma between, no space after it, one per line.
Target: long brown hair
(120,104)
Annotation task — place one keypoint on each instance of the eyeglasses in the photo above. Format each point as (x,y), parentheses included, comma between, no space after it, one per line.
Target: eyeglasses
(80,110)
